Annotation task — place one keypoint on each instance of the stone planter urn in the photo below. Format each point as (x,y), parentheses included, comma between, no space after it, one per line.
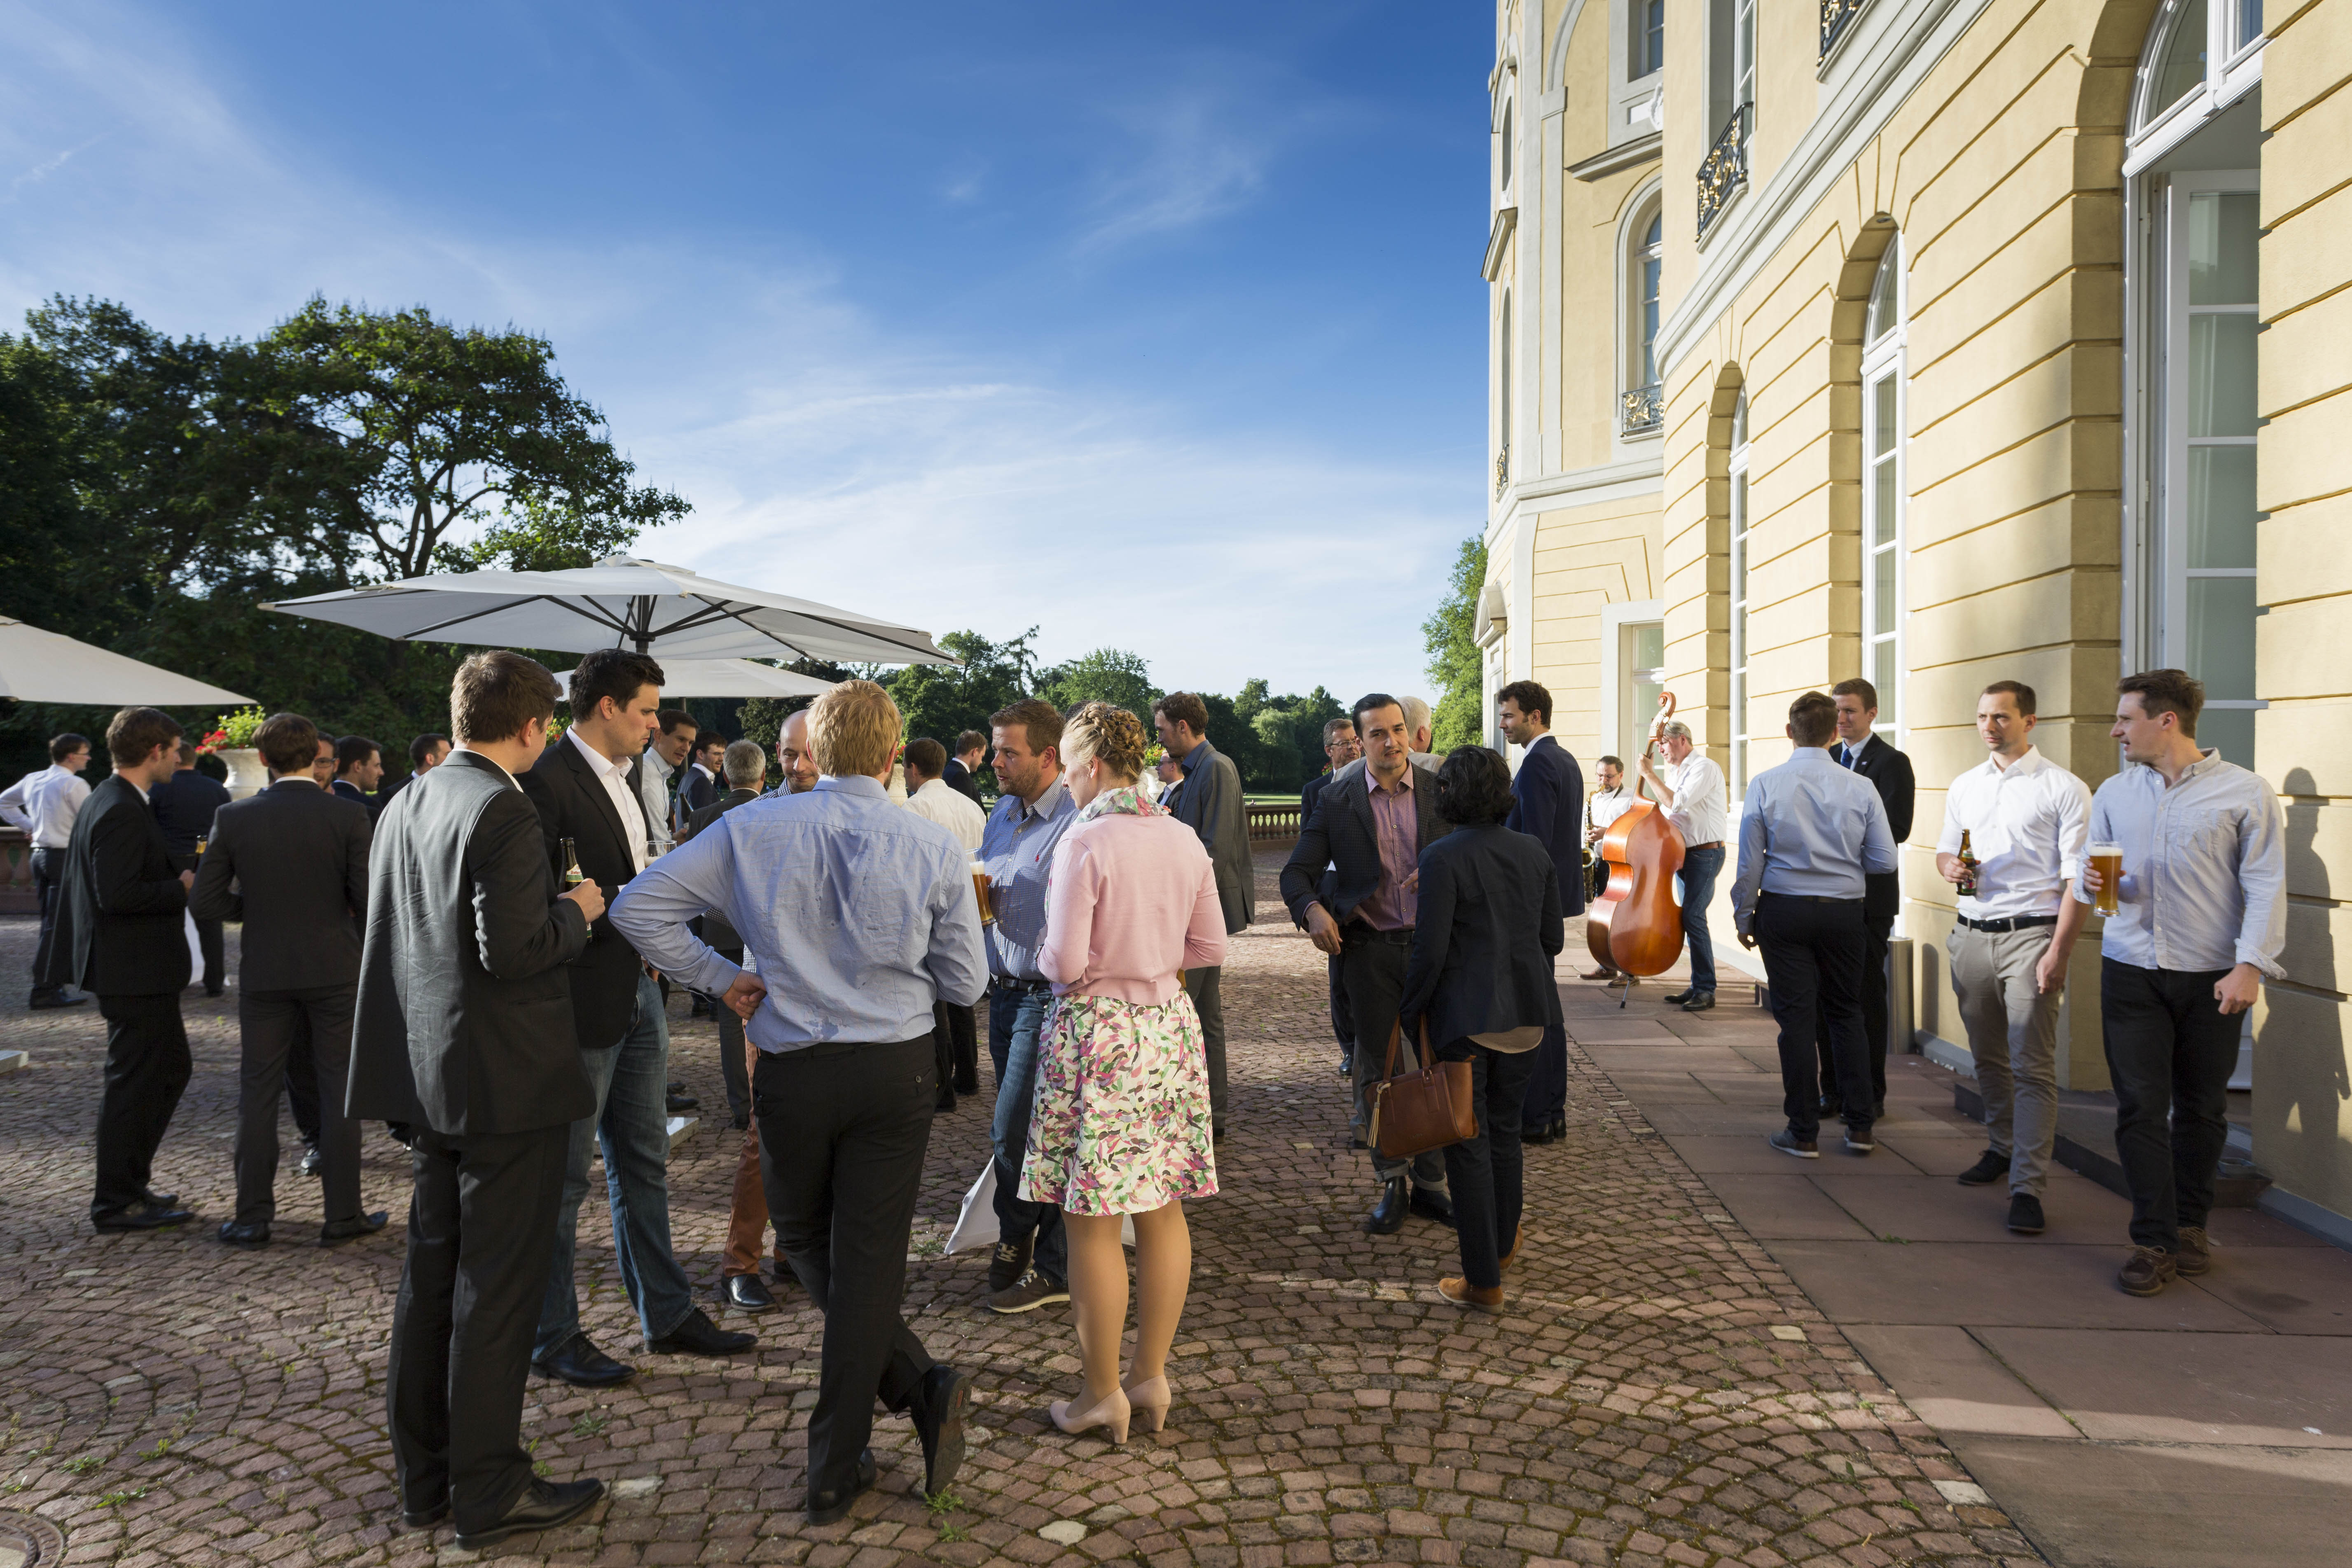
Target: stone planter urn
(248,773)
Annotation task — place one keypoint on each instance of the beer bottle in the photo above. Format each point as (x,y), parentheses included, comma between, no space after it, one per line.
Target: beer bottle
(1966,885)
(572,878)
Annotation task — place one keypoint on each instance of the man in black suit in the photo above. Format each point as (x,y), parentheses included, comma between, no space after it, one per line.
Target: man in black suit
(425,752)
(292,862)
(463,1033)
(1889,773)
(700,787)
(589,788)
(1340,745)
(1209,801)
(1370,827)
(185,804)
(1548,805)
(359,768)
(963,770)
(120,936)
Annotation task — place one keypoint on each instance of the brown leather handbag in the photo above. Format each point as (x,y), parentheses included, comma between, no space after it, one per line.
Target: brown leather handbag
(1422,1110)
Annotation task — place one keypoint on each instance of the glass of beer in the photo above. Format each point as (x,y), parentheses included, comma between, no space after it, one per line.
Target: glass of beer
(2108,860)
(980,887)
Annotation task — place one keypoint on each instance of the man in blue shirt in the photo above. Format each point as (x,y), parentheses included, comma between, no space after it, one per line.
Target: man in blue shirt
(1810,834)
(1030,1266)
(859,916)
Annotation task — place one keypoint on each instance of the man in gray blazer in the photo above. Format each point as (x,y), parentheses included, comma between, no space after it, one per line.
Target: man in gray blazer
(293,864)
(1208,800)
(464,1032)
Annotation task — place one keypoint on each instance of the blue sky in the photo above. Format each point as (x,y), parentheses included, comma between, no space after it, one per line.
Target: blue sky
(1159,328)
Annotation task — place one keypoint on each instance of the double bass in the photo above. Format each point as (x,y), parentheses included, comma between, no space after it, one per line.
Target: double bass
(1635,927)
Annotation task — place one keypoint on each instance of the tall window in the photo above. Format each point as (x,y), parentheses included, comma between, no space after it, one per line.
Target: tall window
(1743,52)
(1883,490)
(1506,153)
(1739,597)
(1503,401)
(1643,408)
(1649,38)
(1642,676)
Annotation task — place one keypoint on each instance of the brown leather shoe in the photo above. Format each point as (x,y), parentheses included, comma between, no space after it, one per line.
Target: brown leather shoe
(1602,974)
(1461,1293)
(1518,1236)
(2147,1271)
(2196,1253)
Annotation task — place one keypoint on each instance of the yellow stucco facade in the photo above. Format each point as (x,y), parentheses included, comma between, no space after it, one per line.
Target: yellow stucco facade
(1984,338)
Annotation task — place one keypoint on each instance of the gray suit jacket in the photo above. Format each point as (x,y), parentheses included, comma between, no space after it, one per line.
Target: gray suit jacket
(1210,803)
(1340,835)
(465,1008)
(298,857)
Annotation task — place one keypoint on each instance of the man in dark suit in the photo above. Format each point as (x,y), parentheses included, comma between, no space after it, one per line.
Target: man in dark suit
(120,936)
(698,784)
(588,788)
(964,768)
(1370,827)
(1342,747)
(292,862)
(185,804)
(1548,805)
(1209,801)
(463,1033)
(425,752)
(1889,773)
(359,768)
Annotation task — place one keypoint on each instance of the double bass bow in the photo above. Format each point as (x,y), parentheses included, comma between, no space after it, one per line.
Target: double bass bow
(1635,927)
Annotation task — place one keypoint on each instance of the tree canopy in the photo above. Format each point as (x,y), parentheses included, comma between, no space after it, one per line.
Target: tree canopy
(1459,718)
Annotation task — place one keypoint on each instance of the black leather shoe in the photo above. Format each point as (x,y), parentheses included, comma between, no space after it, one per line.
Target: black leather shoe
(1387,1215)
(967,1085)
(161,1199)
(1531,1136)
(1700,1001)
(1678,998)
(544,1505)
(247,1235)
(698,1335)
(2025,1215)
(335,1232)
(41,999)
(823,1508)
(943,1104)
(680,1103)
(425,1518)
(747,1293)
(938,1415)
(583,1365)
(1346,1066)
(213,990)
(141,1215)
(1432,1205)
(1990,1168)
(1556,1129)
(310,1161)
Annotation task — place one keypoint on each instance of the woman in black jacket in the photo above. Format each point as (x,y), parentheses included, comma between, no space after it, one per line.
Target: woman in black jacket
(1480,980)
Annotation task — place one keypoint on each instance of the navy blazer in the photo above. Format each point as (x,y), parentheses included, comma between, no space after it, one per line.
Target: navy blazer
(1548,805)
(1889,773)
(1339,835)
(1490,926)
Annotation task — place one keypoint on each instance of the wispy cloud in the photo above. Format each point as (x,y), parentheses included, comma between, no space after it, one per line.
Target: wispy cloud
(1186,162)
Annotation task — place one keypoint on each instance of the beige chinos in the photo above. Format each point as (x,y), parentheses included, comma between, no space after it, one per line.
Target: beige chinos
(2013,1034)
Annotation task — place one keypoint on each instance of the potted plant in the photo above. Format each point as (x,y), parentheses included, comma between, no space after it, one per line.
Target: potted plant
(231,741)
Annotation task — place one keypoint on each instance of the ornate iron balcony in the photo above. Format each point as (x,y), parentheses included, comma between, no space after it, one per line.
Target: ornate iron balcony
(1640,411)
(1835,15)
(1724,168)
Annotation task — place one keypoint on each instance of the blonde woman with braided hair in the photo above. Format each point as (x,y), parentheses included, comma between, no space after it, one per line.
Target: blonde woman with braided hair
(1120,1124)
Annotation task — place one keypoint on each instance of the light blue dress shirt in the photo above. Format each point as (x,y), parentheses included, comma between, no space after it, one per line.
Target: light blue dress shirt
(1810,828)
(857,914)
(2204,882)
(1017,848)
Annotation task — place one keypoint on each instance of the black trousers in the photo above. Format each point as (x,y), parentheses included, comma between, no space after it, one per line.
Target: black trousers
(731,1070)
(1486,1171)
(147,1067)
(843,1130)
(48,878)
(1878,932)
(1812,958)
(1547,1077)
(303,1083)
(1205,986)
(2171,1051)
(270,1022)
(955,1044)
(1343,1015)
(1373,964)
(481,1223)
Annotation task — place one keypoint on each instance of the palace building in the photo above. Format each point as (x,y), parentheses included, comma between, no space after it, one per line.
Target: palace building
(1941,342)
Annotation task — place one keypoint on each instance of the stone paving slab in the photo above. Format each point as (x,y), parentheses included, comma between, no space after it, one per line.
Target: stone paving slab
(1659,1391)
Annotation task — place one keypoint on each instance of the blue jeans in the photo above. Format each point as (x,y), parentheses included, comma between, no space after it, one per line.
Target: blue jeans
(632,1121)
(1014,1017)
(1700,868)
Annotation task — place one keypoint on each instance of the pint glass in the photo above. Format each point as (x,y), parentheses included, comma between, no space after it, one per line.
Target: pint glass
(980,887)
(2108,860)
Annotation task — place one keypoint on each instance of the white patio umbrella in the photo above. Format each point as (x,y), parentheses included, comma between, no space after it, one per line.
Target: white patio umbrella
(46,666)
(735,677)
(620,602)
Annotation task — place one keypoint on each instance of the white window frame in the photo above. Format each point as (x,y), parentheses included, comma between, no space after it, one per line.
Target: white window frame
(1619,624)
(1648,206)
(1738,584)
(1883,360)
(2232,69)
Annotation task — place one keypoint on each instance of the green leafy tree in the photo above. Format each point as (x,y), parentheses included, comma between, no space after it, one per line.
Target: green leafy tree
(1459,718)
(1107,675)
(942,700)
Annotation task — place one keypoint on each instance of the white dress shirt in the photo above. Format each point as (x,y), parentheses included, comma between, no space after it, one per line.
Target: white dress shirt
(1699,812)
(655,792)
(615,777)
(2026,825)
(1604,806)
(952,809)
(2204,884)
(1812,829)
(45,803)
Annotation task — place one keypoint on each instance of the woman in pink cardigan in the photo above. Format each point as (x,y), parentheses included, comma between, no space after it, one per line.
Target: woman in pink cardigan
(1120,1125)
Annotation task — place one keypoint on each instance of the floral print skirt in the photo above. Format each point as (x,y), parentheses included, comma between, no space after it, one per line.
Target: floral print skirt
(1120,1124)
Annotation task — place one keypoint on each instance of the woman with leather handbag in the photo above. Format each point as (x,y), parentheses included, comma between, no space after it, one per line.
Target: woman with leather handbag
(1479,985)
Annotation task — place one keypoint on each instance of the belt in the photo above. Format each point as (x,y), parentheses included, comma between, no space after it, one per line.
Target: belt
(2015,922)
(1007,983)
(1715,844)
(1359,931)
(1805,898)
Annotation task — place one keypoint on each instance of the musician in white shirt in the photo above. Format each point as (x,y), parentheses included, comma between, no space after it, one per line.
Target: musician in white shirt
(1691,792)
(1603,807)
(2026,819)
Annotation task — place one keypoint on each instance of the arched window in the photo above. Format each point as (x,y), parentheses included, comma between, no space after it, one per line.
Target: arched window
(1883,490)
(1740,538)
(1504,177)
(1503,400)
(1642,406)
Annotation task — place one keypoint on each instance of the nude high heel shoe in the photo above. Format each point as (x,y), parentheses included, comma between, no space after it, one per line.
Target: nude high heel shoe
(1112,1412)
(1150,1399)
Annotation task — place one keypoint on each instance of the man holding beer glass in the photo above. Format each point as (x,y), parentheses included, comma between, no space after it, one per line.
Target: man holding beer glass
(2024,819)
(2190,852)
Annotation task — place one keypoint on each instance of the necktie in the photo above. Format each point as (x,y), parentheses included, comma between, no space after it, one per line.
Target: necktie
(1847,759)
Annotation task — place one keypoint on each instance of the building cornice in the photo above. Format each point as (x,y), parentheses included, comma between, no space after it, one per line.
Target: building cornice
(1499,242)
(1577,487)
(1624,155)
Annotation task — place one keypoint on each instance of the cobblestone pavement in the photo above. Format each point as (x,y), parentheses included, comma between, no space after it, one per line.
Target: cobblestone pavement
(1658,1392)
